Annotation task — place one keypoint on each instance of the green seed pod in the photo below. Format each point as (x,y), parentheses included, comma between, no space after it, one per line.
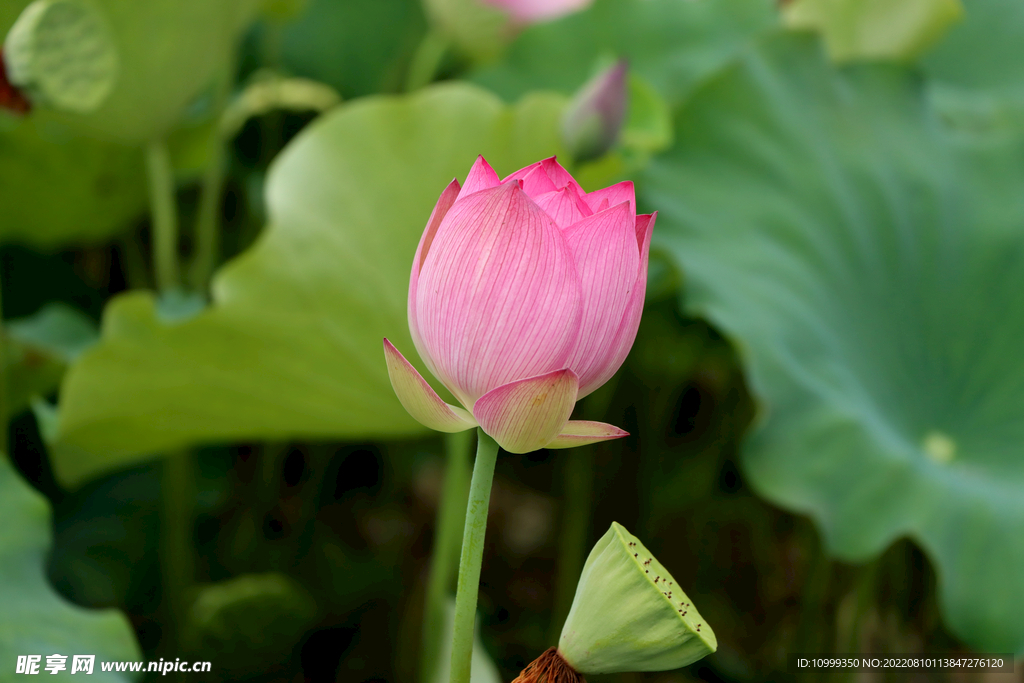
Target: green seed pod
(629,614)
(62,54)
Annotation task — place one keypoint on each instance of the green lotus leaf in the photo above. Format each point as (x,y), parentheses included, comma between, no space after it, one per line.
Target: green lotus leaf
(672,44)
(875,29)
(58,187)
(38,348)
(975,76)
(35,620)
(291,345)
(61,52)
(870,268)
(359,47)
(171,52)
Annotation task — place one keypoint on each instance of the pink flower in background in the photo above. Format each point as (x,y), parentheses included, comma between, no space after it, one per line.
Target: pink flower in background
(525,296)
(534,11)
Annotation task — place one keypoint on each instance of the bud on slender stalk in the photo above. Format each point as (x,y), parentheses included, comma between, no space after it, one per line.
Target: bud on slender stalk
(594,119)
(629,614)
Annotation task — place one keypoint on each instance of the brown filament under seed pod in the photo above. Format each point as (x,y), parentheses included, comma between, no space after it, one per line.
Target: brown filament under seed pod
(550,668)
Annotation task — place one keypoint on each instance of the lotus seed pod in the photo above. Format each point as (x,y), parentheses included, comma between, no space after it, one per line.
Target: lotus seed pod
(62,54)
(629,614)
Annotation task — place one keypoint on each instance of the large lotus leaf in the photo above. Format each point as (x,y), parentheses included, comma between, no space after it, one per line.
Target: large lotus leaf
(38,348)
(57,187)
(975,70)
(672,44)
(291,345)
(34,619)
(875,29)
(871,272)
(359,47)
(169,53)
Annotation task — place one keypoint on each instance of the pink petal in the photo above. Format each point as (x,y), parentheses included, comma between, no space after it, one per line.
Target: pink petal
(583,432)
(419,399)
(444,203)
(532,11)
(537,182)
(617,351)
(599,200)
(480,177)
(498,297)
(549,167)
(559,176)
(528,414)
(565,206)
(607,258)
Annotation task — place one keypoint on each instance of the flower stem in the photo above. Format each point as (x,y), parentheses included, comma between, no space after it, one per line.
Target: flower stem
(451,518)
(178,523)
(426,61)
(165,216)
(207,223)
(472,557)
(5,394)
(578,476)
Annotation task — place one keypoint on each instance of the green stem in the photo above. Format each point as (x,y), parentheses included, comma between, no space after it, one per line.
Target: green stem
(5,396)
(451,518)
(178,523)
(579,485)
(472,557)
(808,634)
(207,225)
(426,61)
(165,216)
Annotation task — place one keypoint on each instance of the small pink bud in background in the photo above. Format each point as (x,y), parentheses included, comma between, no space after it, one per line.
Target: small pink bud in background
(593,121)
(536,11)
(525,296)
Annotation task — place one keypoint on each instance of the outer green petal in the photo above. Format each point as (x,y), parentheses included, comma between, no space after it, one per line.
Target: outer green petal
(525,415)
(420,399)
(629,614)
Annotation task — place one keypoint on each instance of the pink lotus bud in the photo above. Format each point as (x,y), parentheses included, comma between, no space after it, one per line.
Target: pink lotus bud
(535,11)
(592,122)
(525,296)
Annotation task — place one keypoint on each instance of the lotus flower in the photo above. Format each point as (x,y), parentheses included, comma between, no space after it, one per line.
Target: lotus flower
(534,11)
(525,296)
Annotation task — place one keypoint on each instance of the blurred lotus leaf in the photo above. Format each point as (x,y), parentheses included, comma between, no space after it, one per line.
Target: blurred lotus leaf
(34,618)
(57,187)
(290,345)
(875,29)
(672,44)
(62,54)
(477,28)
(170,52)
(358,47)
(38,349)
(870,268)
(975,71)
(248,623)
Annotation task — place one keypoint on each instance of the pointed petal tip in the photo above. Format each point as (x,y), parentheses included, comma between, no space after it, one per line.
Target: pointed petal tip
(584,432)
